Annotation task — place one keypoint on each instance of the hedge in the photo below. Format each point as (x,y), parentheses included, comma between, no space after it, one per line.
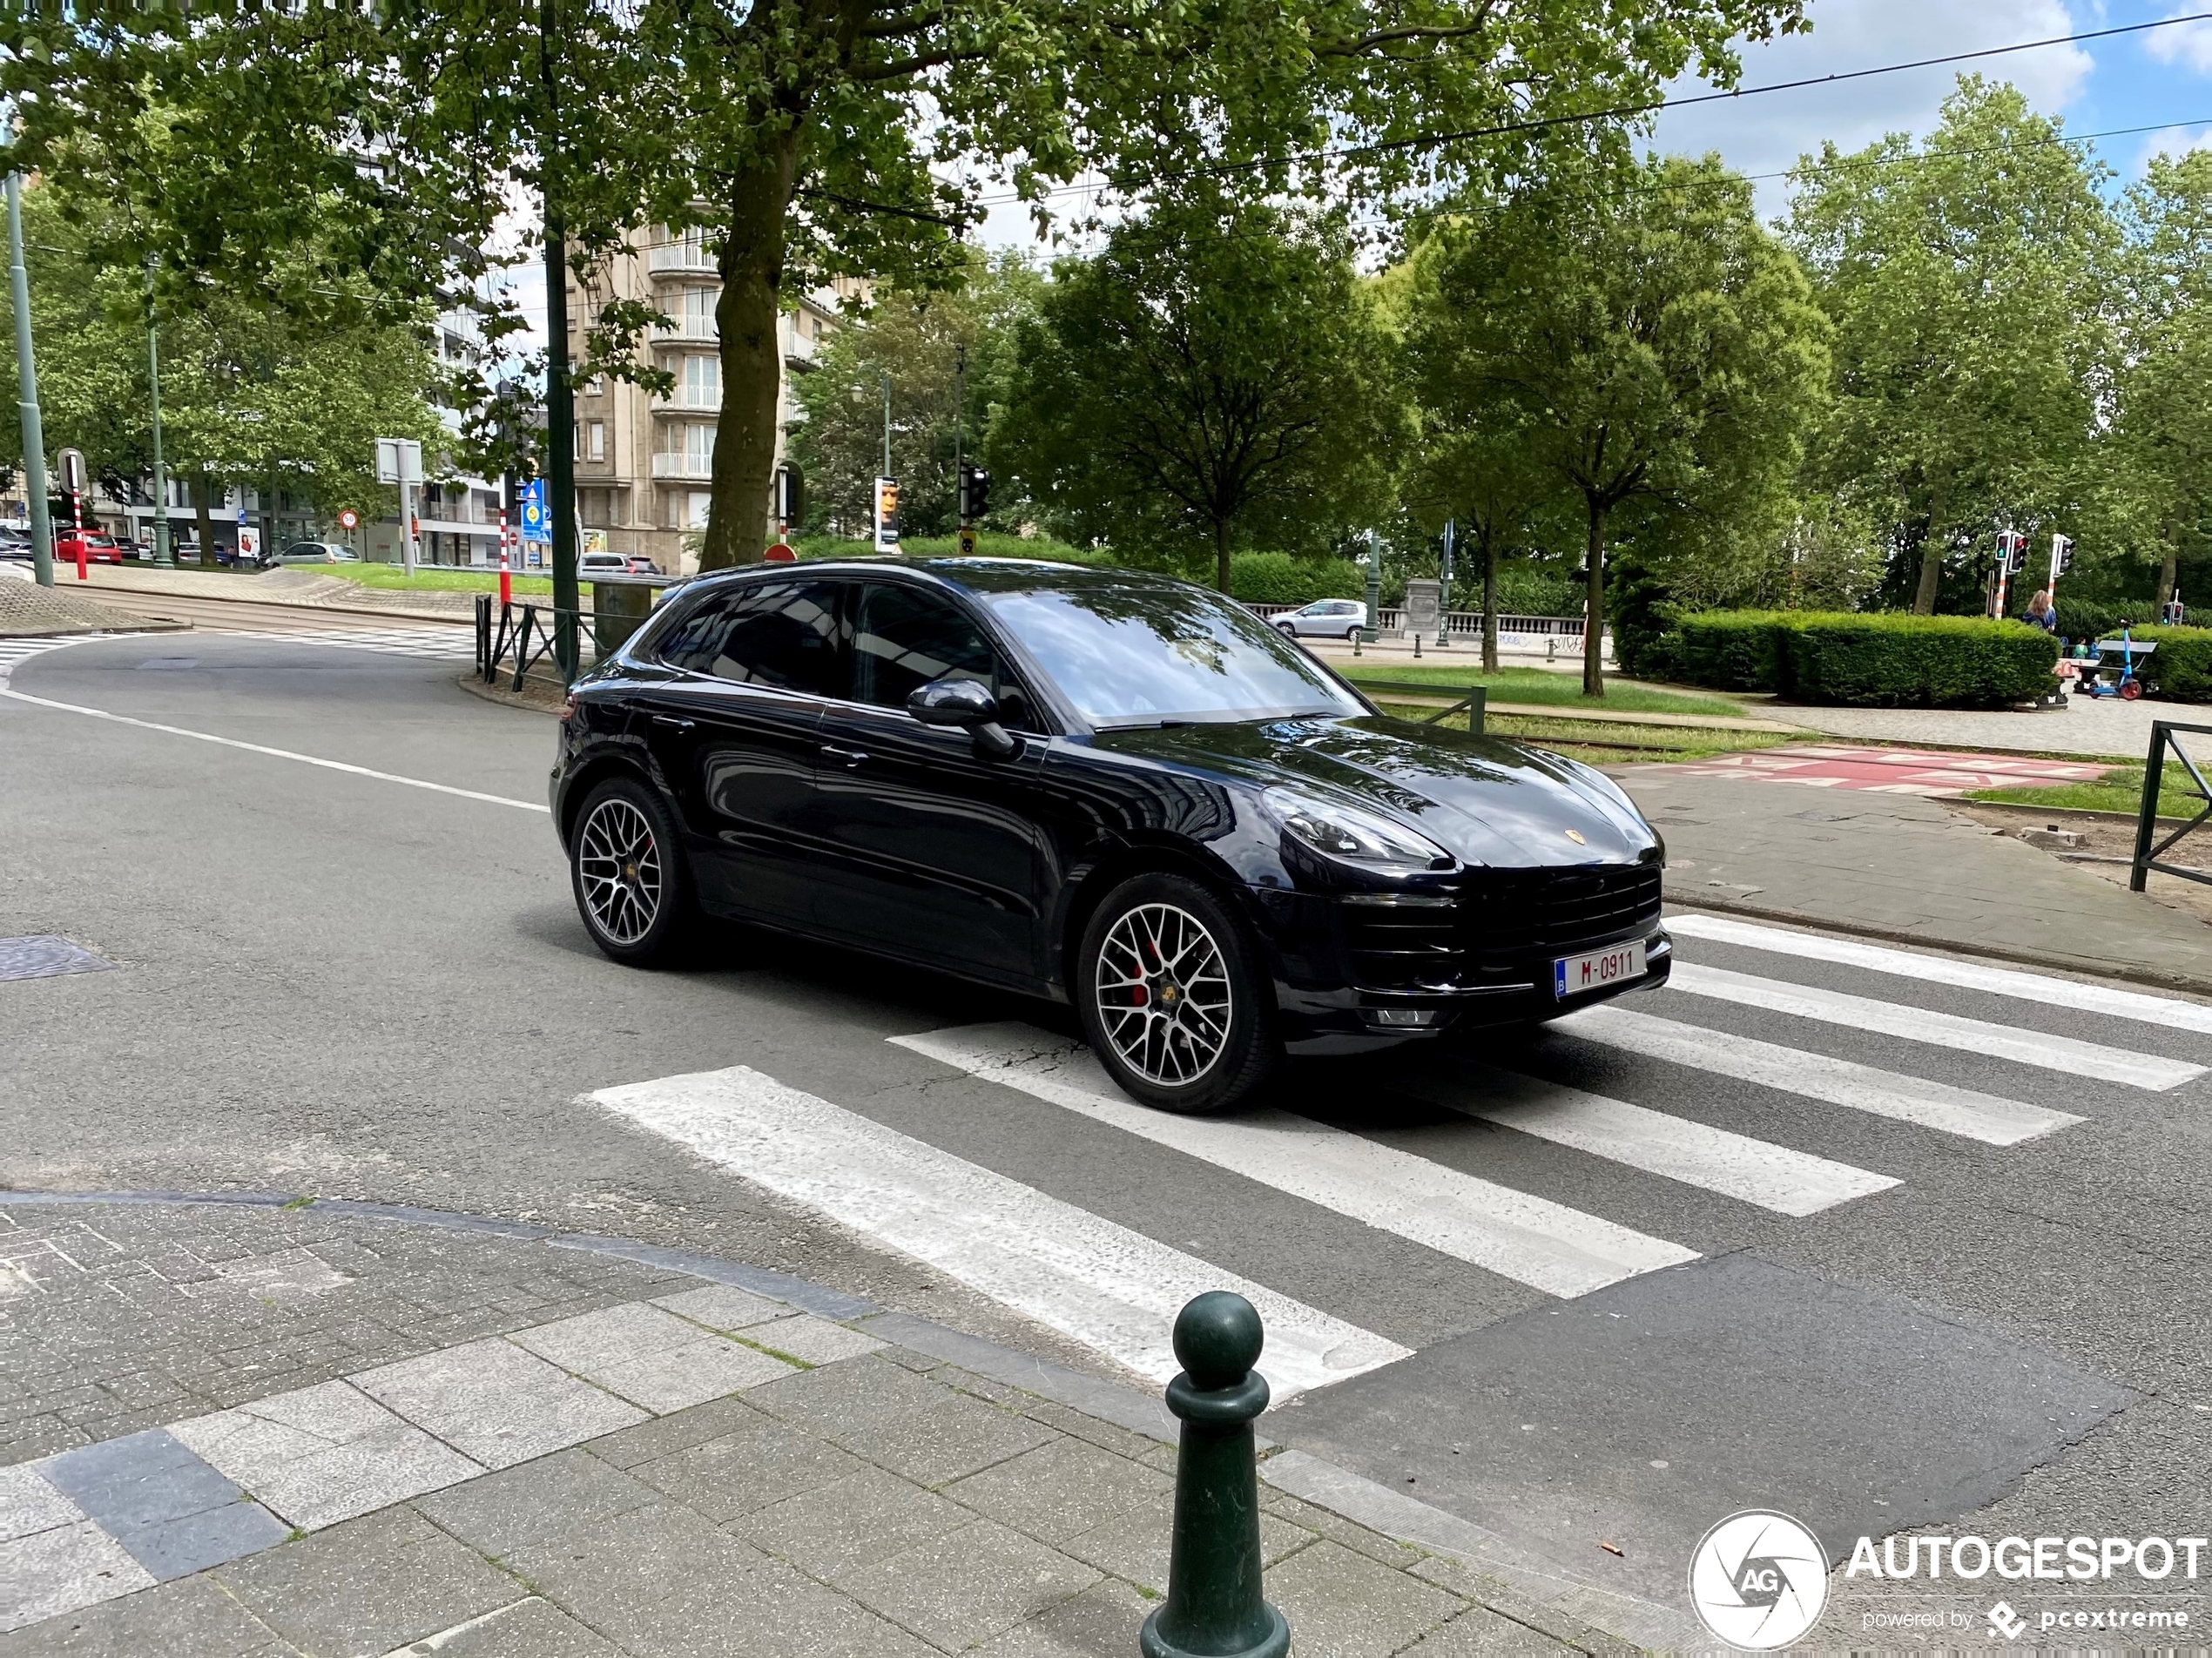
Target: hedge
(1279,578)
(2181,667)
(1881,660)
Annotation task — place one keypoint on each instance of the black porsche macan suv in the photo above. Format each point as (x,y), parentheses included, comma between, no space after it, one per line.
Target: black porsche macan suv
(1100,786)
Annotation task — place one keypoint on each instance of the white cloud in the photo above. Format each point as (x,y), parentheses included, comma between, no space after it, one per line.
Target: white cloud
(2190,44)
(1767,134)
(2171,141)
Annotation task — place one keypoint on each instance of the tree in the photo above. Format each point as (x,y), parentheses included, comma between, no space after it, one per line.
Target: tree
(1216,372)
(249,395)
(918,339)
(1658,349)
(1969,284)
(805,138)
(2162,433)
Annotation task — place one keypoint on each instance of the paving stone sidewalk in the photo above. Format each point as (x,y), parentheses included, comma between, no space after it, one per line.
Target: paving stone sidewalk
(251,1431)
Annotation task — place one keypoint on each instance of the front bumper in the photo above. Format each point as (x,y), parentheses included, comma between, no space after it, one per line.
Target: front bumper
(1356,972)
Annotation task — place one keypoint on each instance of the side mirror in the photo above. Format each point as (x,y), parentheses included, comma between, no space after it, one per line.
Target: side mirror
(968,705)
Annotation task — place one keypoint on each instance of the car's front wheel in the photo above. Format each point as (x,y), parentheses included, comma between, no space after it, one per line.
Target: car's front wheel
(1172,997)
(633,886)
(1289,628)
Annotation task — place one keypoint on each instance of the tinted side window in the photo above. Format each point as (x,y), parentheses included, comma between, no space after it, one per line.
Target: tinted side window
(779,634)
(904,637)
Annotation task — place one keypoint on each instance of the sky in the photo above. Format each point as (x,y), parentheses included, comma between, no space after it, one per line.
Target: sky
(2162,77)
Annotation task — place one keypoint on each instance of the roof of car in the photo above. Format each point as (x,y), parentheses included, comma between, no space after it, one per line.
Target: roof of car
(977,574)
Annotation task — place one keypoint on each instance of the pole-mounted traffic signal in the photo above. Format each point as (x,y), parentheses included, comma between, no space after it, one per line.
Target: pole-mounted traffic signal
(2061,555)
(974,493)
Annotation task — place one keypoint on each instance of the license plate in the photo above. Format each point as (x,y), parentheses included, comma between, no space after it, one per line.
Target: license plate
(1572,975)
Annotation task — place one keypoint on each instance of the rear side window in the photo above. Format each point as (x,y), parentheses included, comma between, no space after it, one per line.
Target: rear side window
(778,634)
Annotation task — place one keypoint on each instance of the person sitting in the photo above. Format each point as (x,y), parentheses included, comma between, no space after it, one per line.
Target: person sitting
(2041,613)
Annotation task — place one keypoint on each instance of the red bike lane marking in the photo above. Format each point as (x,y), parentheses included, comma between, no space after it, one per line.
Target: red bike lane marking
(1890,770)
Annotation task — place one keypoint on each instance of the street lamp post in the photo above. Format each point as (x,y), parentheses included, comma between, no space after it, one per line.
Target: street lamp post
(886,374)
(161,554)
(34,437)
(1373,629)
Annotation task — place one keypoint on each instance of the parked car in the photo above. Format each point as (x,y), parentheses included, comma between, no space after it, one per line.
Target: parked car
(100,547)
(590,564)
(15,541)
(1100,786)
(315,552)
(1324,619)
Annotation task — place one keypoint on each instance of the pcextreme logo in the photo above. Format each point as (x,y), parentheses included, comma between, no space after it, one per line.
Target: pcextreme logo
(1758,1580)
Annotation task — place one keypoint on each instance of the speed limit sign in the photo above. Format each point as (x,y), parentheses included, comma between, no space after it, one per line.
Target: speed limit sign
(349,519)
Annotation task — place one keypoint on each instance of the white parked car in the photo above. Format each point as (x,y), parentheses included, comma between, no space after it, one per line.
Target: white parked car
(1324,619)
(316,552)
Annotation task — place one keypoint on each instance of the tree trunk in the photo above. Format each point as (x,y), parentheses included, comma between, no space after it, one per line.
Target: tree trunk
(204,516)
(1490,605)
(1924,597)
(746,314)
(2169,565)
(1221,554)
(1594,621)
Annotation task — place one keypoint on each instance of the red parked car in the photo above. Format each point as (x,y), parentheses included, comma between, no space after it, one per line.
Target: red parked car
(99,547)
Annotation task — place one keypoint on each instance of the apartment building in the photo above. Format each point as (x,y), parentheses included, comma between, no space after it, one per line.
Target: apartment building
(644,461)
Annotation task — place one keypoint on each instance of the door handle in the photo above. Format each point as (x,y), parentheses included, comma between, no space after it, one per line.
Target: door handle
(672,722)
(852,757)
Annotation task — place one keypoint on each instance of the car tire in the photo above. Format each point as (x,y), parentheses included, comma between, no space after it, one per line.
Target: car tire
(640,910)
(1219,1044)
(1284,627)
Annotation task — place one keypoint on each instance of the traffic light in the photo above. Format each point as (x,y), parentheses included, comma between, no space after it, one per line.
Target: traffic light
(974,493)
(2061,555)
(2012,549)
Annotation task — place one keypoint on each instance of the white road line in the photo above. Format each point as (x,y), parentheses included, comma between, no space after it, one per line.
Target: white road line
(1532,1240)
(1114,1290)
(1944,969)
(1789,1183)
(2066,1054)
(277,753)
(1838,1082)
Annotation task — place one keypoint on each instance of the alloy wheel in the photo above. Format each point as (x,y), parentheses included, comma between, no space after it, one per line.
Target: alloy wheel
(1163,994)
(618,862)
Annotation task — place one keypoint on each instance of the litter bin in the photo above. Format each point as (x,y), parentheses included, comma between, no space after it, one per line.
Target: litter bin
(619,609)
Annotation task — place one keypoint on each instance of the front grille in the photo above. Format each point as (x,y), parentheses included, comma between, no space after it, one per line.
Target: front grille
(1499,921)
(1512,914)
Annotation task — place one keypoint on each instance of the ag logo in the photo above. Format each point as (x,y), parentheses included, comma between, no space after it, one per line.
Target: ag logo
(1758,1580)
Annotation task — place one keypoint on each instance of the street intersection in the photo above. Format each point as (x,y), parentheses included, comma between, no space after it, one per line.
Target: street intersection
(1879,1237)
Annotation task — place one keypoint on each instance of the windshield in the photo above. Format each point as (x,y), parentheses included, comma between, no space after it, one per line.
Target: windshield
(1142,652)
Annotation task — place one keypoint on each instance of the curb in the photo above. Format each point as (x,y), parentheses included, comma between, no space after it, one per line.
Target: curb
(1553,1588)
(505,698)
(2185,982)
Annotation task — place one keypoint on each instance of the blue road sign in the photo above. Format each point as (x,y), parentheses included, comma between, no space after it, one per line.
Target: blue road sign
(537,523)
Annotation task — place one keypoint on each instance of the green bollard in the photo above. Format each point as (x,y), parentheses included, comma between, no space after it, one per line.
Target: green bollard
(1214,1608)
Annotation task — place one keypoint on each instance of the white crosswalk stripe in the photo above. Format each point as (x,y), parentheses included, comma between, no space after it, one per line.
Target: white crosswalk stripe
(1114,1290)
(15,652)
(1776,1177)
(441,644)
(1950,970)
(2066,1054)
(1838,1082)
(1530,1239)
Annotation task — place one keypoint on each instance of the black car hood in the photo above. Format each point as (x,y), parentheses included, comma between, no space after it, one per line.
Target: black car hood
(1485,800)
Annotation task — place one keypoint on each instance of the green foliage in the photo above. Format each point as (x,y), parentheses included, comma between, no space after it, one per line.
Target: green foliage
(1969,280)
(2161,467)
(916,339)
(1216,378)
(1649,346)
(1279,578)
(2183,666)
(1881,660)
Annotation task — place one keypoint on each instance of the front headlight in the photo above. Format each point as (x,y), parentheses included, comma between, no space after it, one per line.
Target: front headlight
(1350,835)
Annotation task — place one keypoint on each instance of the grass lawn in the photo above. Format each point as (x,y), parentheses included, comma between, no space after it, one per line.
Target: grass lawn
(1601,744)
(2118,789)
(1541,685)
(427,578)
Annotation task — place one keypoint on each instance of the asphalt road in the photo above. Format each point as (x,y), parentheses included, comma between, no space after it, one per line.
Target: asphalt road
(339,981)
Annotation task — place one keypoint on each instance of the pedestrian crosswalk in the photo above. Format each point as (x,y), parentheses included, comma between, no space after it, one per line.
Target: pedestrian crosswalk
(429,644)
(15,652)
(1802,1135)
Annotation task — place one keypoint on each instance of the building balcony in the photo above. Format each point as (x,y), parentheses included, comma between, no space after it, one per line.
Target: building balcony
(799,352)
(695,468)
(687,331)
(683,401)
(680,258)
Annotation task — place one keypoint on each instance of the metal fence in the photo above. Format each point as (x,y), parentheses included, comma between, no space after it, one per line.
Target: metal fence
(1392,619)
(2164,736)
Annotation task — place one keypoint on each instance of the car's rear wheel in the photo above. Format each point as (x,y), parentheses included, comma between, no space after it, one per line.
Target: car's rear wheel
(1172,998)
(633,886)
